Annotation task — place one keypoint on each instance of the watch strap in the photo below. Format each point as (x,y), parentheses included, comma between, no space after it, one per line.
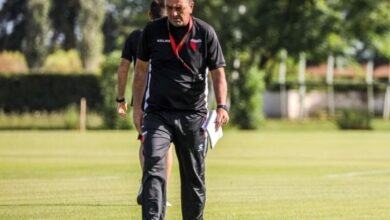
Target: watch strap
(225,107)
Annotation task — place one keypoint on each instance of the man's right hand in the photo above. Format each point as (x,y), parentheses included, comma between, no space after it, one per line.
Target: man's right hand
(137,119)
(121,109)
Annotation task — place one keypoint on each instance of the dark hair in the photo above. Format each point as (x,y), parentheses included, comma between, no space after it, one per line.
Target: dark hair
(156,8)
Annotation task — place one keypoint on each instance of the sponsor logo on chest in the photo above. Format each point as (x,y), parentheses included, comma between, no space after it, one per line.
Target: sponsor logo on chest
(194,44)
(163,41)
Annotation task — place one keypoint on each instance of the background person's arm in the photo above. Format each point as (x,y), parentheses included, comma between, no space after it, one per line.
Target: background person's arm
(123,71)
(139,85)
(220,90)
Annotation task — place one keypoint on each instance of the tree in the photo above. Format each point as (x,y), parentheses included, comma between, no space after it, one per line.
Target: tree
(12,24)
(263,28)
(122,17)
(245,82)
(64,15)
(91,17)
(36,30)
(368,21)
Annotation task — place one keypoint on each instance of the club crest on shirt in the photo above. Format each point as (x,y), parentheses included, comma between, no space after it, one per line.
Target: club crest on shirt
(195,44)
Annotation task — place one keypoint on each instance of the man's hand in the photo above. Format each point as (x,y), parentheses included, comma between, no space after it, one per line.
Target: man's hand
(137,119)
(222,118)
(122,109)
(139,85)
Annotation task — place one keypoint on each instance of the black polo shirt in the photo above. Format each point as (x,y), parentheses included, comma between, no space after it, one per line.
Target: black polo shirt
(171,86)
(129,51)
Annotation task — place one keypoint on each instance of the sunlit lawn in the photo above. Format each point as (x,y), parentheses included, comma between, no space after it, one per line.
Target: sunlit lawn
(267,174)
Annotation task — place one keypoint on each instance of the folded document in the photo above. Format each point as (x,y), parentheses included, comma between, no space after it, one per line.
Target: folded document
(209,127)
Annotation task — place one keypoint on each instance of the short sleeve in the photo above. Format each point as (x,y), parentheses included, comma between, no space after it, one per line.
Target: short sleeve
(143,45)
(215,58)
(127,50)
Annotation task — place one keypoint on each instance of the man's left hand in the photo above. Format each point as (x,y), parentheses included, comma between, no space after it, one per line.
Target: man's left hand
(222,118)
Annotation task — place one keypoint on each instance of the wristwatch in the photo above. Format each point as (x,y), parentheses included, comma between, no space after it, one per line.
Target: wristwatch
(120,100)
(224,107)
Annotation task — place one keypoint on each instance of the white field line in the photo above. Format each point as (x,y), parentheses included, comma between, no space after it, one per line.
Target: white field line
(361,173)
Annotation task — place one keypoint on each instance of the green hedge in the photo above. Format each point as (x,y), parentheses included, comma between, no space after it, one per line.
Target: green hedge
(48,92)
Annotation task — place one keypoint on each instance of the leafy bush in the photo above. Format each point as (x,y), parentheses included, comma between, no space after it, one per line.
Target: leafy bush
(13,62)
(71,117)
(354,119)
(246,98)
(63,62)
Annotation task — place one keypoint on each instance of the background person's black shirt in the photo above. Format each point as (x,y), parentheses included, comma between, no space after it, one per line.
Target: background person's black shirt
(171,86)
(129,51)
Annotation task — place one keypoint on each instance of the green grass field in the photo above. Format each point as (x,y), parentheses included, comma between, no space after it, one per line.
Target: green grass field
(250,175)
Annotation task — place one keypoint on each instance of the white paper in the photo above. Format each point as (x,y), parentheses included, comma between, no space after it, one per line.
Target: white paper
(209,127)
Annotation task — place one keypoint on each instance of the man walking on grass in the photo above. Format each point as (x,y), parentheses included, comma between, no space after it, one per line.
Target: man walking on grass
(176,53)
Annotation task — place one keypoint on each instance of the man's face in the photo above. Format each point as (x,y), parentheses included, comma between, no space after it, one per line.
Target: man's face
(179,11)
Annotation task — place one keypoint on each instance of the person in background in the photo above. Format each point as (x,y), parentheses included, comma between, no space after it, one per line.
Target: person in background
(174,56)
(129,54)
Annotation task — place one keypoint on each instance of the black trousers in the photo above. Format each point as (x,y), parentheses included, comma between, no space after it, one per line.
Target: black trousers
(184,130)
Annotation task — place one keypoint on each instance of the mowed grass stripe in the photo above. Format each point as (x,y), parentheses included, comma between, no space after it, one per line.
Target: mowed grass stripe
(250,175)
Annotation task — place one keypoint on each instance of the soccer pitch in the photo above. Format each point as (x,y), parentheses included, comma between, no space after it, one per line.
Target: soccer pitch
(250,175)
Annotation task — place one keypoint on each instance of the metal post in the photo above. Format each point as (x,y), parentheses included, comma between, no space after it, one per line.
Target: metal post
(386,107)
(370,88)
(282,84)
(83,114)
(329,82)
(302,87)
